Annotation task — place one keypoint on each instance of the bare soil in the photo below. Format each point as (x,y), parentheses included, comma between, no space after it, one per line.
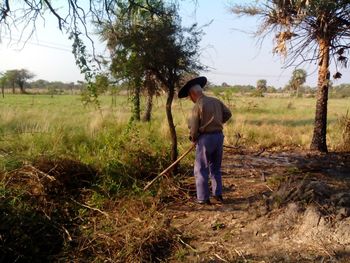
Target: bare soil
(279,207)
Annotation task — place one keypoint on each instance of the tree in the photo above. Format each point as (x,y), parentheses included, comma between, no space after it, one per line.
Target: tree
(123,37)
(173,51)
(40,84)
(72,15)
(167,51)
(101,83)
(10,76)
(18,77)
(152,85)
(22,77)
(297,80)
(310,31)
(261,85)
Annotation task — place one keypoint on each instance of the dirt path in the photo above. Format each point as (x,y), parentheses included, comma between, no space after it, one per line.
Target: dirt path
(246,229)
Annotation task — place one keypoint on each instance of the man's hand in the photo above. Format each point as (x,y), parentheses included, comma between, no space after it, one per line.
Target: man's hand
(192,139)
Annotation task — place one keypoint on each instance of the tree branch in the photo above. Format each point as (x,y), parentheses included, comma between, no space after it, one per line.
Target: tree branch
(59,18)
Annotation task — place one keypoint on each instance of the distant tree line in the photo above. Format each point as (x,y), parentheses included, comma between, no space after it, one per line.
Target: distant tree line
(294,87)
(18,81)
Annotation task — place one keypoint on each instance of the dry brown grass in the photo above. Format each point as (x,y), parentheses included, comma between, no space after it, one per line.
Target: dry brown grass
(344,123)
(57,196)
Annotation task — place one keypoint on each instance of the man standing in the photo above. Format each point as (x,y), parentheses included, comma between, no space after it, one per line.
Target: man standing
(206,124)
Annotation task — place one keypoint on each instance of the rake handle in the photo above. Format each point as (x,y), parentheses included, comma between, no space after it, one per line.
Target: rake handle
(169,167)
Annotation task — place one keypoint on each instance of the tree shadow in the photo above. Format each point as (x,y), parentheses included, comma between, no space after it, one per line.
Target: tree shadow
(288,123)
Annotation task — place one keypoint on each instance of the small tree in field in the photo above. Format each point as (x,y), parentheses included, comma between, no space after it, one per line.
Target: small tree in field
(22,78)
(261,85)
(124,36)
(308,30)
(297,80)
(156,45)
(10,76)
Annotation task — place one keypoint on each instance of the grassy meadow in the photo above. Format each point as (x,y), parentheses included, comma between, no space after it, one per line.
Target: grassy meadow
(60,126)
(72,177)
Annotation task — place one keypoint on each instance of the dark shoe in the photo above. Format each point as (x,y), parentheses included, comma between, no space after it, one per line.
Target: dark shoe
(219,198)
(204,202)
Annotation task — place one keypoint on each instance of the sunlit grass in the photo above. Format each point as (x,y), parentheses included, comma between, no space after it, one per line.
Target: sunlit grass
(35,125)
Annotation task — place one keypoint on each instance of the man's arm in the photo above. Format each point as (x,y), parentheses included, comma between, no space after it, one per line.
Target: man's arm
(194,124)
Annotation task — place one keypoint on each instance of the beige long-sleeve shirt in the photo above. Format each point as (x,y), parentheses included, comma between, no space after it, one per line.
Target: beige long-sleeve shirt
(208,115)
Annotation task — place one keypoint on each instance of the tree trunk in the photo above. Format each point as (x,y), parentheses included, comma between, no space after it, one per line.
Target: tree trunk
(3,91)
(136,113)
(169,101)
(22,90)
(148,112)
(13,88)
(319,141)
(297,93)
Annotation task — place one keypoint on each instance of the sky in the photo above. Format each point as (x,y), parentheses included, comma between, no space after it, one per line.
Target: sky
(231,54)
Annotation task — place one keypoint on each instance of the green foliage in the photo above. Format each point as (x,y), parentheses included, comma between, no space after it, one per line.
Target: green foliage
(298,78)
(261,85)
(101,84)
(136,159)
(91,92)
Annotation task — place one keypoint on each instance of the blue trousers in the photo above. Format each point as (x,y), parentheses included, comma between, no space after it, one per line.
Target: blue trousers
(208,164)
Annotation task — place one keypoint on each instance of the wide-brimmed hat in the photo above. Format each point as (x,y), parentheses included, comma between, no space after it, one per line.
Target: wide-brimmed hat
(183,92)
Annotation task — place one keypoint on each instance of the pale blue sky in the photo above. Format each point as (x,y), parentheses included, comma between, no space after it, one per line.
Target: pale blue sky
(232,56)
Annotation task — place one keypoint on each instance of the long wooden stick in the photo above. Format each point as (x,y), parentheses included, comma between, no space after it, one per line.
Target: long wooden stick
(169,167)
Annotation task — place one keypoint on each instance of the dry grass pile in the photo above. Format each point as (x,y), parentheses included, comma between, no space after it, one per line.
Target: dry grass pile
(38,216)
(330,200)
(133,231)
(46,177)
(49,213)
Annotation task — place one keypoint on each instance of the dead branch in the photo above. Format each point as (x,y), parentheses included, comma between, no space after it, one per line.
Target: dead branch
(91,208)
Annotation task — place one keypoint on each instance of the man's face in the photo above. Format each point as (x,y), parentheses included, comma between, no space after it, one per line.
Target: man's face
(192,97)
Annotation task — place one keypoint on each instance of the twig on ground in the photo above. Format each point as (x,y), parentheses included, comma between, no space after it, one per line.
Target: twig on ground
(91,208)
(260,152)
(224,260)
(269,187)
(67,233)
(187,245)
(241,255)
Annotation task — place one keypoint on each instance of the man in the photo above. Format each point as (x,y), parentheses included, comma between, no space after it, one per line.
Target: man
(206,124)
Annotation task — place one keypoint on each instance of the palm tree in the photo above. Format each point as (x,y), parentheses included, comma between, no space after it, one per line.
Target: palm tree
(297,80)
(307,30)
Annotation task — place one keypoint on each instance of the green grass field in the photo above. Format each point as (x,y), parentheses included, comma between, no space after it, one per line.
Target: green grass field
(37,125)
